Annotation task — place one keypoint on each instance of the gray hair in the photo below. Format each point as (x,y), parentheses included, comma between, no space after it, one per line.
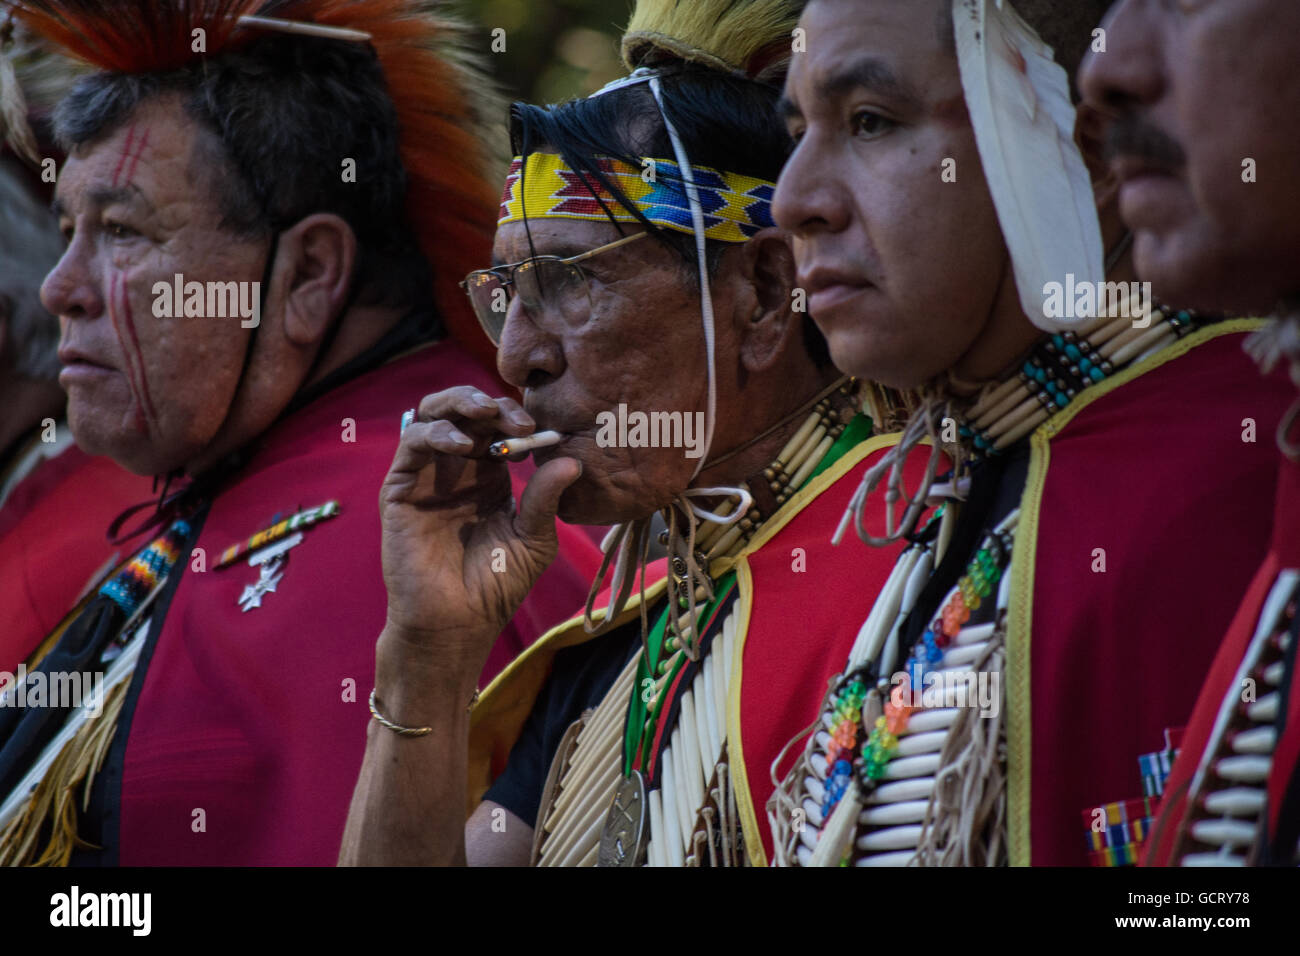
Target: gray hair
(30,246)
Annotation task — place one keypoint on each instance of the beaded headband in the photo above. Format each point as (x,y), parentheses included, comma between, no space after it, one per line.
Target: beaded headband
(735,207)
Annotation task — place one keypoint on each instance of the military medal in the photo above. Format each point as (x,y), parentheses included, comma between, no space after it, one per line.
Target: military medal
(272,561)
(622,842)
(268,551)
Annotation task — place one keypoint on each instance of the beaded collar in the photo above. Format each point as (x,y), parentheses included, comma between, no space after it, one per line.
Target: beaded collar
(1058,369)
(840,417)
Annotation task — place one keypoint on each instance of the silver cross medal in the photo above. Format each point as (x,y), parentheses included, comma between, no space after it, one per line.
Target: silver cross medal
(272,560)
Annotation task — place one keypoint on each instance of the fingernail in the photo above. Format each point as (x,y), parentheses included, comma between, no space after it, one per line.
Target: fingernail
(460,438)
(482,401)
(522,418)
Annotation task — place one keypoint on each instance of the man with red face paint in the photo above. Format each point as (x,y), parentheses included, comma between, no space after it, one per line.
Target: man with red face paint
(1216,214)
(263,243)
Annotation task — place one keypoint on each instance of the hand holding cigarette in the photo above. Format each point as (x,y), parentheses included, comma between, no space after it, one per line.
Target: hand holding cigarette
(450,508)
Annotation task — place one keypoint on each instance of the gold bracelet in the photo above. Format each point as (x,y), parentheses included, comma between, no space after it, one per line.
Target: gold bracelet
(409,731)
(395,728)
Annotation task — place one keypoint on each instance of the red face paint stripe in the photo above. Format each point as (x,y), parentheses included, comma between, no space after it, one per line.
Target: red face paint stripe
(132,373)
(135,343)
(126,151)
(135,160)
(117,330)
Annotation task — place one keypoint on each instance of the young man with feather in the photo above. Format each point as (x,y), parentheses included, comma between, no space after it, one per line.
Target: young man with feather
(1105,509)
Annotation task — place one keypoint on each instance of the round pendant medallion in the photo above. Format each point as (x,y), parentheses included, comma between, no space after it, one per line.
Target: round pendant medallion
(622,841)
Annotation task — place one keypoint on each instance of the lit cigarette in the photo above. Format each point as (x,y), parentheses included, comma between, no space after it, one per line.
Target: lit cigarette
(515,446)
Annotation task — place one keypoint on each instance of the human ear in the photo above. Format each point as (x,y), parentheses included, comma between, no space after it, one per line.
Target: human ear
(315,263)
(766,317)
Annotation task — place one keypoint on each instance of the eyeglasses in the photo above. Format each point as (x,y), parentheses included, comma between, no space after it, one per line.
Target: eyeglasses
(540,281)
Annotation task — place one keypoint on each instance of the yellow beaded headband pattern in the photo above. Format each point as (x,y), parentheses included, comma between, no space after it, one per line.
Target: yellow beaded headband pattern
(735,207)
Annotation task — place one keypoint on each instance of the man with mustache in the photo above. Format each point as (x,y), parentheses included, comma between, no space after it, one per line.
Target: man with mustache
(938,203)
(1216,214)
(264,223)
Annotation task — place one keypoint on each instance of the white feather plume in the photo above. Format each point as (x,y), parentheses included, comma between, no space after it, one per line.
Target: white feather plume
(13,111)
(1019,103)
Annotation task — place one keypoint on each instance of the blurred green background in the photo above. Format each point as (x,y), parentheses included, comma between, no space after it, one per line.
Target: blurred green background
(555,49)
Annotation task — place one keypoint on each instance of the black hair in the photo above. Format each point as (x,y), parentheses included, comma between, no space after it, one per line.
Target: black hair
(725,122)
(282,114)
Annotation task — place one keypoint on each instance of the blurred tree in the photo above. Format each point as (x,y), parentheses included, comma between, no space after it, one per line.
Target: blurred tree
(554,49)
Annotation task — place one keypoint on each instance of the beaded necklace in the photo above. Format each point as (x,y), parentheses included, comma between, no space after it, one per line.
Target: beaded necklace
(1056,370)
(1061,366)
(861,738)
(664,769)
(826,435)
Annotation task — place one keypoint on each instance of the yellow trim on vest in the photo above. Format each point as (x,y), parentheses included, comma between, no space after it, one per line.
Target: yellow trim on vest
(814,489)
(735,751)
(544,643)
(749,819)
(1021,600)
(504,706)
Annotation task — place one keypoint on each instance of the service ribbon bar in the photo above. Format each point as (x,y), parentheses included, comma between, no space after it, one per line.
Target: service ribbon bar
(303,519)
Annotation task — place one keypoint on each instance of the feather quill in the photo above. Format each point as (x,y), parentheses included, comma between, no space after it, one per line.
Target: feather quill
(1020,108)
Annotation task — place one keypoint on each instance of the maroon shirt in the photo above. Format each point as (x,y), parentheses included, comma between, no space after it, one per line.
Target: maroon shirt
(53,541)
(258,718)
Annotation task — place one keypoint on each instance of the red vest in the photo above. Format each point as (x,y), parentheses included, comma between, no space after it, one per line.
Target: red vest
(1149,473)
(1284,554)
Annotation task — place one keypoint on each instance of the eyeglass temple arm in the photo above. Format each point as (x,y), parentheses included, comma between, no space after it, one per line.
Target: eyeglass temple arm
(509,278)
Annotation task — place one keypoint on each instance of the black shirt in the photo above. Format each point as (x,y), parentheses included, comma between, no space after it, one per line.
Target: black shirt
(580,678)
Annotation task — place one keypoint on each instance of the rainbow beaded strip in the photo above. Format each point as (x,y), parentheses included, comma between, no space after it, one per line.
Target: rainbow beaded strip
(846,713)
(882,742)
(981,578)
(543,187)
(873,754)
(143,572)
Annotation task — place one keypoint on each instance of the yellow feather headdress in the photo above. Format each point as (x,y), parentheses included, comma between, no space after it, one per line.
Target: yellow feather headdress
(753,38)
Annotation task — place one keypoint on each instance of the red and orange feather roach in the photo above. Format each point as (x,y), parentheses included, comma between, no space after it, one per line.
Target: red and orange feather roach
(454,174)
